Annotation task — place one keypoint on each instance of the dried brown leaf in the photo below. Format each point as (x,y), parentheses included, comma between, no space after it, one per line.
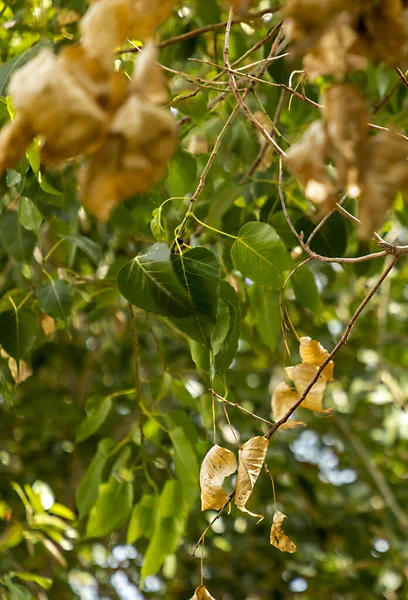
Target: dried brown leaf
(386,173)
(66,118)
(346,119)
(148,81)
(384,32)
(48,325)
(313,353)
(202,593)
(218,464)
(251,458)
(307,159)
(14,139)
(301,375)
(21,373)
(279,539)
(283,398)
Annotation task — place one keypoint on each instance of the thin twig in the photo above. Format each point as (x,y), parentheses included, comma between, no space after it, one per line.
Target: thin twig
(236,405)
(217,516)
(337,347)
(240,99)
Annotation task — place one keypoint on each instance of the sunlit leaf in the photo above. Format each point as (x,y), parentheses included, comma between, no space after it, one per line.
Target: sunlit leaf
(112,508)
(279,539)
(202,593)
(143,519)
(87,491)
(218,464)
(97,410)
(251,459)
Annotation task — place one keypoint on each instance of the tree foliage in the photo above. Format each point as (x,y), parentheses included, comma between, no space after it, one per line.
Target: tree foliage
(203,284)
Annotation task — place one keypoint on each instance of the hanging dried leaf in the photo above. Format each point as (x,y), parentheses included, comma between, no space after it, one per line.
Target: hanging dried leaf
(279,539)
(251,458)
(241,7)
(14,139)
(62,114)
(301,375)
(283,398)
(346,120)
(384,32)
(21,373)
(141,141)
(307,159)
(386,173)
(148,81)
(218,464)
(127,19)
(313,353)
(202,593)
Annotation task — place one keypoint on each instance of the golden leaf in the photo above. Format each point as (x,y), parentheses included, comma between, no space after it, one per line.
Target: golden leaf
(301,375)
(279,539)
(251,458)
(21,373)
(386,173)
(218,464)
(346,119)
(202,593)
(66,118)
(283,398)
(307,159)
(313,353)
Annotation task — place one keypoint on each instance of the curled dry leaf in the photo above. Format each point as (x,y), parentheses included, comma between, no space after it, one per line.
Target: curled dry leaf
(283,398)
(14,139)
(67,119)
(301,375)
(21,373)
(312,353)
(307,159)
(202,593)
(386,173)
(218,464)
(279,539)
(251,458)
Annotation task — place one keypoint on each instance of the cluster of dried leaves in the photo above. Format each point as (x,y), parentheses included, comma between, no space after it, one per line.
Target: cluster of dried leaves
(336,36)
(77,104)
(313,355)
(370,168)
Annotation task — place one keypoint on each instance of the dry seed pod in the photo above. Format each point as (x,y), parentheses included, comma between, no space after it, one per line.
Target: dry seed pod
(218,464)
(61,113)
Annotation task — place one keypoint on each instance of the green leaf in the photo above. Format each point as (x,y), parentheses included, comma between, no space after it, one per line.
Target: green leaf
(60,510)
(88,246)
(34,156)
(142,520)
(97,409)
(182,395)
(229,346)
(87,491)
(29,215)
(15,239)
(265,314)
(221,327)
(112,508)
(182,174)
(199,272)
(12,536)
(305,288)
(149,282)
(183,435)
(55,299)
(258,253)
(160,386)
(168,530)
(17,592)
(155,225)
(18,332)
(43,582)
(330,240)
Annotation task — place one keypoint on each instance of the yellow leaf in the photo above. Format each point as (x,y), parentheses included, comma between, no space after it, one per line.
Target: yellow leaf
(283,398)
(14,139)
(47,324)
(313,353)
(218,463)
(279,539)
(301,375)
(21,373)
(202,593)
(251,458)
